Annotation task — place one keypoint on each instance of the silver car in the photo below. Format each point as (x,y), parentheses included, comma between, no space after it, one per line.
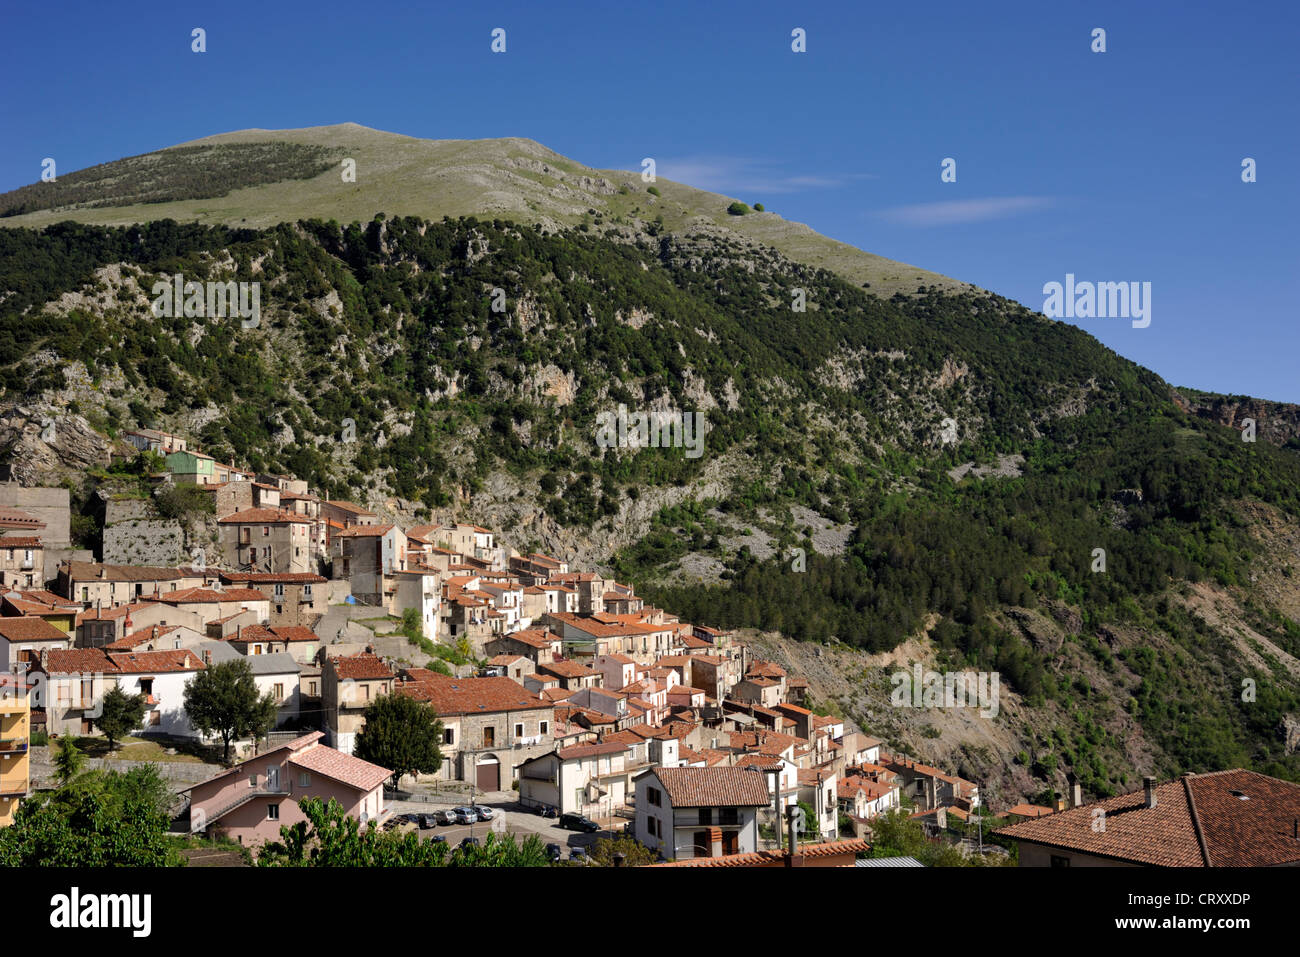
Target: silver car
(466,815)
(484,813)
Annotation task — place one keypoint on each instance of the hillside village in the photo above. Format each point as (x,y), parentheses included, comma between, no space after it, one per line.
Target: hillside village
(562,693)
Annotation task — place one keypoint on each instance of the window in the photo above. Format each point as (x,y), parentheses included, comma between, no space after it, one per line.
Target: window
(1060,861)
(544,727)
(489,737)
(306,593)
(273,812)
(311,688)
(279,692)
(728,815)
(519,729)
(448,735)
(706,815)
(279,591)
(266,530)
(304,780)
(252,780)
(652,795)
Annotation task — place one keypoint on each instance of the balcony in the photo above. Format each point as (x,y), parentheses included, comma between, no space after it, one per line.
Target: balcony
(12,745)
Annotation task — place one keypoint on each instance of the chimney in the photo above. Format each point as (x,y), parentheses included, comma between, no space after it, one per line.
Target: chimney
(1076,791)
(1149,785)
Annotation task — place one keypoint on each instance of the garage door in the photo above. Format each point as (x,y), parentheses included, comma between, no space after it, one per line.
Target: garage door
(489,775)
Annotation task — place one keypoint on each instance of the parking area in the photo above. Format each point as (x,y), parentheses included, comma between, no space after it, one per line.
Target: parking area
(512,818)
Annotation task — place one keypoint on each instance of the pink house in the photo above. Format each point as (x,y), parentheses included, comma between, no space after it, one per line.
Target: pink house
(251,801)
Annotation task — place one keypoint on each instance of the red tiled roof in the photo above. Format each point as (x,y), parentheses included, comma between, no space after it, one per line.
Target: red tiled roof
(143,662)
(360,667)
(20,541)
(576,751)
(265,516)
(28,628)
(365,531)
(1222,819)
(16,518)
(769,858)
(713,787)
(78,661)
(451,696)
(349,770)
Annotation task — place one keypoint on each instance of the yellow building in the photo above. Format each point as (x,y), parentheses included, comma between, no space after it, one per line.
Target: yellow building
(15,729)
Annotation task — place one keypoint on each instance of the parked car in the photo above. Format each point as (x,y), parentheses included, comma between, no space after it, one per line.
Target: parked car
(427,821)
(466,815)
(576,822)
(553,853)
(578,854)
(468,841)
(446,816)
(484,813)
(439,838)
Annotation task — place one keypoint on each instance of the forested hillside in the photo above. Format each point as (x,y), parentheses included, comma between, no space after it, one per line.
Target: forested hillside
(971,456)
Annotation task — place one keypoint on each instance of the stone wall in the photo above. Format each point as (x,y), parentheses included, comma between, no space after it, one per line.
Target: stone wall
(133,535)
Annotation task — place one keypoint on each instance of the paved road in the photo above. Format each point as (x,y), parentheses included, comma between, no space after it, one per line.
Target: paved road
(518,821)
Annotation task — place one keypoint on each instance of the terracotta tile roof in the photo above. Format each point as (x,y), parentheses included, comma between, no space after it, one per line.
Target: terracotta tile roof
(1233,818)
(365,531)
(265,516)
(360,667)
(795,709)
(30,628)
(17,518)
(555,695)
(1029,810)
(765,669)
(567,669)
(190,596)
(144,662)
(577,751)
(294,633)
(506,659)
(770,858)
(713,787)
(535,637)
(450,696)
(349,770)
(141,637)
(20,541)
(78,661)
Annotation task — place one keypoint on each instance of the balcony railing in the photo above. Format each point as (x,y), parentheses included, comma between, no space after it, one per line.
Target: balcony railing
(10,745)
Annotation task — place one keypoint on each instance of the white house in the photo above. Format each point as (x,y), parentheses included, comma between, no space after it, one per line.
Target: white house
(161,676)
(276,674)
(700,812)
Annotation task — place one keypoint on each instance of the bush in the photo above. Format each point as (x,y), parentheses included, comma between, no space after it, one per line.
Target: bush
(653,190)
(737,209)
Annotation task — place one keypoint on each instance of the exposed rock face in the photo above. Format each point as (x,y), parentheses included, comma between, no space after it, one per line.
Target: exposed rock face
(43,444)
(1275,422)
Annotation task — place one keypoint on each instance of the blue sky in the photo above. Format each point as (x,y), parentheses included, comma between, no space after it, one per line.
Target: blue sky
(1115,166)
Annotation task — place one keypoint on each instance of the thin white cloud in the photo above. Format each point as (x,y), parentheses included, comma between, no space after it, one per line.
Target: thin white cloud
(960,211)
(735,175)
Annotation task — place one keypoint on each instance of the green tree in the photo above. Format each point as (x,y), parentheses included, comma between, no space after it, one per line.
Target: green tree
(737,209)
(99,820)
(68,760)
(223,700)
(401,734)
(121,714)
(635,854)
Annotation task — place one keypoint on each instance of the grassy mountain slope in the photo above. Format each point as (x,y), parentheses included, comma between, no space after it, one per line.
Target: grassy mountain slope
(514,179)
